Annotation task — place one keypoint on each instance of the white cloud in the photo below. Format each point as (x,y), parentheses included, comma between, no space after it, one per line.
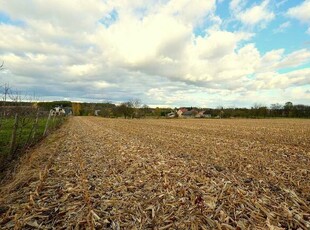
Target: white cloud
(301,12)
(282,27)
(216,44)
(272,80)
(149,51)
(270,60)
(237,5)
(268,97)
(258,14)
(273,56)
(103,84)
(81,70)
(191,11)
(71,15)
(295,59)
(276,59)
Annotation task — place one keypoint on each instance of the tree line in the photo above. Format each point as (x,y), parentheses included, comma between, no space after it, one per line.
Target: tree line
(135,109)
(260,111)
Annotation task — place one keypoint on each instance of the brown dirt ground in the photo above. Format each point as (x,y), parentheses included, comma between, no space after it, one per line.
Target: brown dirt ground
(97,173)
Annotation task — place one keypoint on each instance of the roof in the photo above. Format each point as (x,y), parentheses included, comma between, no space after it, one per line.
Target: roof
(187,113)
(183,110)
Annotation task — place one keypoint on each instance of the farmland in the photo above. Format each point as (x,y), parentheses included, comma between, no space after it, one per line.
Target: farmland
(164,174)
(6,133)
(28,130)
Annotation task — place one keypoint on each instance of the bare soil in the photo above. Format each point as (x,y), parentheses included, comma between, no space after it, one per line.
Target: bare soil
(97,173)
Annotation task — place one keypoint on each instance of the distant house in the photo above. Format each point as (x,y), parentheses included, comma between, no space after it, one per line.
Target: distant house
(57,111)
(188,114)
(200,114)
(171,115)
(191,113)
(203,114)
(68,110)
(97,111)
(181,111)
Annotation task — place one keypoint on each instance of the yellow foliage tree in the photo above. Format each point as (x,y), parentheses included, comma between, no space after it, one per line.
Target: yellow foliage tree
(35,105)
(76,109)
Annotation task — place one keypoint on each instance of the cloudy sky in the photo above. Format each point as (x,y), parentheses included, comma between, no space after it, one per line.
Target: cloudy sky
(202,53)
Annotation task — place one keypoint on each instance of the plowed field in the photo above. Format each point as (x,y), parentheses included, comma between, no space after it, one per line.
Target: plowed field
(97,173)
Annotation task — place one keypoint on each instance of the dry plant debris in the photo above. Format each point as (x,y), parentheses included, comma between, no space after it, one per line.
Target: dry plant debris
(100,173)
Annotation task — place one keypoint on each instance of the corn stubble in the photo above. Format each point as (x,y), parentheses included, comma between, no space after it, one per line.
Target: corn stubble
(164,174)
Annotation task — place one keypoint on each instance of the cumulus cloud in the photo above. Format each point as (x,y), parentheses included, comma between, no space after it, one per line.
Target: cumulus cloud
(256,15)
(146,50)
(237,5)
(189,11)
(301,13)
(276,59)
(271,80)
(68,15)
(295,59)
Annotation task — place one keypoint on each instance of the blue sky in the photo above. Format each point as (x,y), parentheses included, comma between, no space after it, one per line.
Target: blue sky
(6,19)
(167,53)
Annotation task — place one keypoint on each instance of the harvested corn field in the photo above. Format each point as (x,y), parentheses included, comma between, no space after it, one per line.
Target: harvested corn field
(164,174)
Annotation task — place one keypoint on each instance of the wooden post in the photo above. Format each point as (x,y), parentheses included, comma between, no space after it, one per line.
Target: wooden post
(13,139)
(46,125)
(35,126)
(53,127)
(32,132)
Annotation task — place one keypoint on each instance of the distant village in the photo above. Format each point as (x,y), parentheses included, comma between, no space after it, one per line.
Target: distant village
(133,109)
(189,113)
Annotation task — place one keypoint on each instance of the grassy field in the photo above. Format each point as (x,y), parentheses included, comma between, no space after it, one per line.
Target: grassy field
(165,174)
(25,135)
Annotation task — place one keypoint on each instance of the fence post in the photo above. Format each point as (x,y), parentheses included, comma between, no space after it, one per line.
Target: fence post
(31,133)
(35,126)
(46,125)
(13,139)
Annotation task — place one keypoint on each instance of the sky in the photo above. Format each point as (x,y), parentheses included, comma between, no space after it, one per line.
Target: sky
(203,53)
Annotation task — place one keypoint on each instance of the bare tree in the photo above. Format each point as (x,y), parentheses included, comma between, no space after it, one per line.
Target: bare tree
(5,93)
(288,107)
(5,90)
(93,108)
(16,97)
(126,109)
(31,98)
(145,110)
(4,96)
(276,109)
(136,104)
